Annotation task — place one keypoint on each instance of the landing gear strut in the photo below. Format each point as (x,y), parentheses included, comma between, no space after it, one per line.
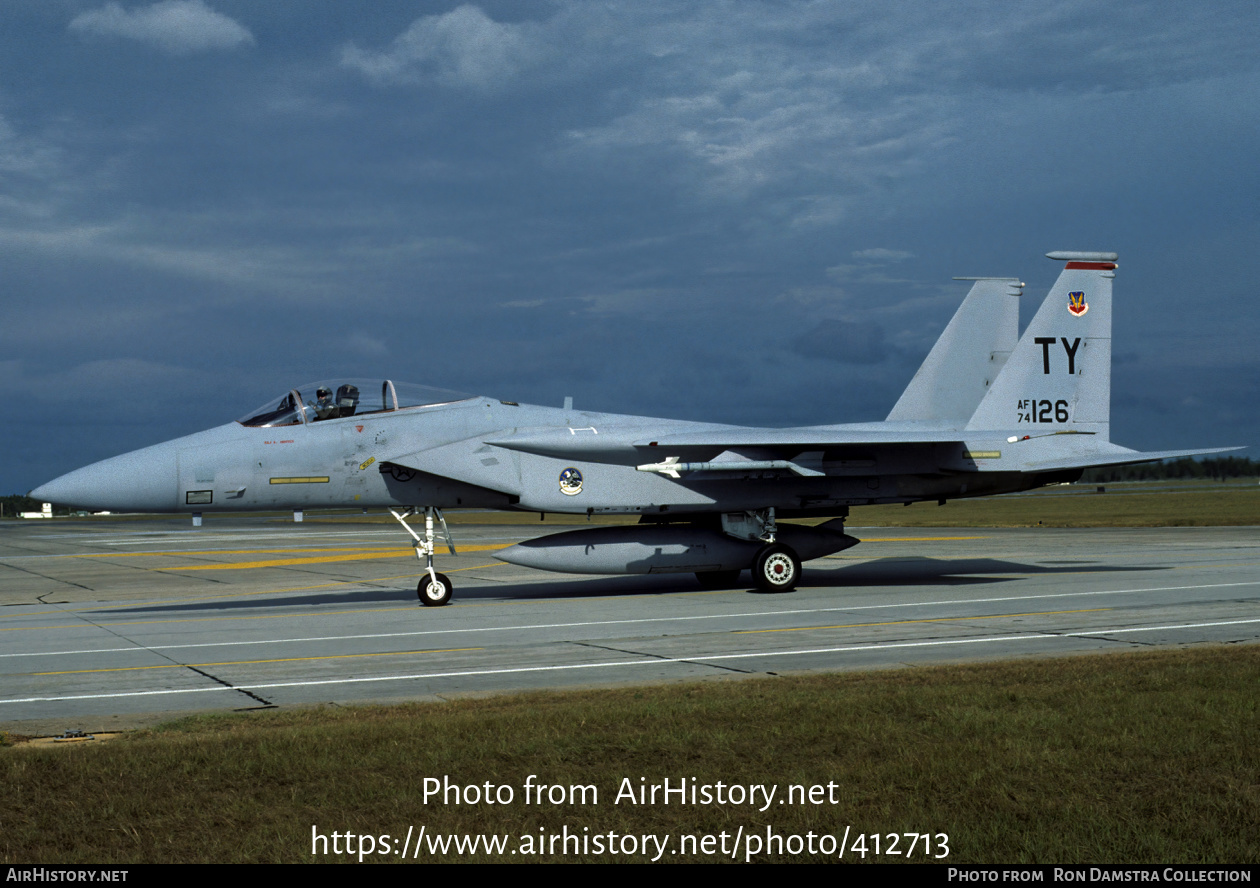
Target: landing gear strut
(434,589)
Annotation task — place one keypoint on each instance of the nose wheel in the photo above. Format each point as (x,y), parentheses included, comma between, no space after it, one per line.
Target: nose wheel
(776,568)
(435,590)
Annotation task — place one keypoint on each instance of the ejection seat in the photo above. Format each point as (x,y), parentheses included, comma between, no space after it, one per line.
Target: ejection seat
(347,400)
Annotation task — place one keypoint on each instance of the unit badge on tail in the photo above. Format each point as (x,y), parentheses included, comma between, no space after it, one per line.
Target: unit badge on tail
(1077,304)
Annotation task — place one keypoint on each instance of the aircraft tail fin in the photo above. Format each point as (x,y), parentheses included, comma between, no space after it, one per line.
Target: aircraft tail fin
(966,359)
(1058,378)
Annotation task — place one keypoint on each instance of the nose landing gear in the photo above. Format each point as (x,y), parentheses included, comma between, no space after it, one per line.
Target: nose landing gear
(434,589)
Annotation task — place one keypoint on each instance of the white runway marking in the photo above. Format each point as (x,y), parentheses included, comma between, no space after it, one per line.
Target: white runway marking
(695,660)
(640,621)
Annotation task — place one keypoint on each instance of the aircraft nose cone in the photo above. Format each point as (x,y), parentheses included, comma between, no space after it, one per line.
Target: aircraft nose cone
(142,481)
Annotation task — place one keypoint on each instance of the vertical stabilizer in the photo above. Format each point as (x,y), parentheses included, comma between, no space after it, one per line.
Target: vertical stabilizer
(1058,378)
(965,361)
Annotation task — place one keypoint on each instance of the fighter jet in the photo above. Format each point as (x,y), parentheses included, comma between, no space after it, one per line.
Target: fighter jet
(987,413)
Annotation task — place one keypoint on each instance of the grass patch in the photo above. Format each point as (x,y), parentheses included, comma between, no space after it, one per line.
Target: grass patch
(1123,505)
(1145,757)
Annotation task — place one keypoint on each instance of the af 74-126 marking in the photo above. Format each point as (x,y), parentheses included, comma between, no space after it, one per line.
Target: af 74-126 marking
(709,497)
(1040,411)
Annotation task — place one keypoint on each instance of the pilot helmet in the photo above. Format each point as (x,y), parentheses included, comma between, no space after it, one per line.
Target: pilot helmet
(322,392)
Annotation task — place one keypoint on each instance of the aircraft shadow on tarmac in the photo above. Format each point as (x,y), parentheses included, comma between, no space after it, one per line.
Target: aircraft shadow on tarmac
(923,571)
(881,572)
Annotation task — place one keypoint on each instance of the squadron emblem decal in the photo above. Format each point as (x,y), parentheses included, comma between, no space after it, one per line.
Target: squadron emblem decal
(1077,304)
(570,482)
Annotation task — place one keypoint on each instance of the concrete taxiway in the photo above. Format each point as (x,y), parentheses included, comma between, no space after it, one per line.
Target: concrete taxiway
(118,623)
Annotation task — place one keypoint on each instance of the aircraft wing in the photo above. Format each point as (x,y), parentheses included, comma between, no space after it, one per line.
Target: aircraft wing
(469,461)
(952,451)
(631,446)
(817,436)
(798,449)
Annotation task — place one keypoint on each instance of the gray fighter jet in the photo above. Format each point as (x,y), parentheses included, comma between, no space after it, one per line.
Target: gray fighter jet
(985,414)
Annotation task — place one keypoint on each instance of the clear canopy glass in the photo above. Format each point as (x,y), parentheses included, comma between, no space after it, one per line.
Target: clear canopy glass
(342,398)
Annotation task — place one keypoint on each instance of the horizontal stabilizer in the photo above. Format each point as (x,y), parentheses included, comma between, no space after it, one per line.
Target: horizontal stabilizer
(1121,458)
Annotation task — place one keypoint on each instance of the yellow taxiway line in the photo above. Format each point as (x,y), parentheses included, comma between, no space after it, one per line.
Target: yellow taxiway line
(1088,610)
(235,595)
(257,662)
(283,562)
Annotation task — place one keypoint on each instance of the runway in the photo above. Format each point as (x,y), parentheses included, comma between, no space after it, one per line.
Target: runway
(112,624)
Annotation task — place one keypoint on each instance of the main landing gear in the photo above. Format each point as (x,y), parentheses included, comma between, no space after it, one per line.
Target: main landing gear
(775,568)
(434,589)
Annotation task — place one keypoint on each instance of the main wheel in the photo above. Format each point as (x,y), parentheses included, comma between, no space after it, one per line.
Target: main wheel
(717,579)
(776,569)
(433,594)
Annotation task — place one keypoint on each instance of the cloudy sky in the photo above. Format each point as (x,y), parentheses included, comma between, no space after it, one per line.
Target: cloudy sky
(731,211)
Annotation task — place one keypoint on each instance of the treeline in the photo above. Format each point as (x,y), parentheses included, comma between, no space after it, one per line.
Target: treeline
(1214,469)
(15,503)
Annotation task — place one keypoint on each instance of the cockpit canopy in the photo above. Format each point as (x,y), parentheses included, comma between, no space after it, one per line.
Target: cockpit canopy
(341,398)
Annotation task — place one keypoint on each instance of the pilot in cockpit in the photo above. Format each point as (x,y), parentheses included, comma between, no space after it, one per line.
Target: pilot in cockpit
(325,406)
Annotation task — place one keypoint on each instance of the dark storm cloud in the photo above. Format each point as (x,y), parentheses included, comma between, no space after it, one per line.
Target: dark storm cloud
(742,212)
(844,342)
